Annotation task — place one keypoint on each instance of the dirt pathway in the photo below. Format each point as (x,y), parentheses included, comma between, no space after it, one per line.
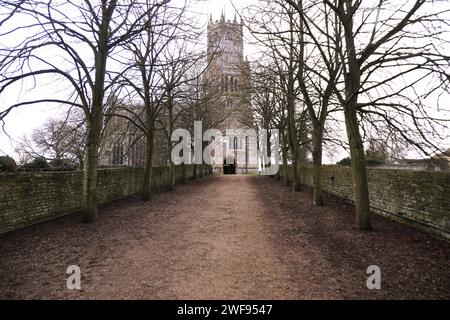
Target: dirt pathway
(227,237)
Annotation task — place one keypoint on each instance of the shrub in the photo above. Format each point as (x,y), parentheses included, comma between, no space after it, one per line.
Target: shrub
(7,164)
(369,162)
(38,163)
(345,162)
(62,165)
(374,162)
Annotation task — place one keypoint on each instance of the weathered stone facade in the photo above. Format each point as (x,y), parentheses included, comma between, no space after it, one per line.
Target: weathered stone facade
(28,198)
(229,75)
(123,144)
(227,79)
(419,198)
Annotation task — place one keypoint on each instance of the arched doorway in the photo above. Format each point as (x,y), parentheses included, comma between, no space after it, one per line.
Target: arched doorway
(229,166)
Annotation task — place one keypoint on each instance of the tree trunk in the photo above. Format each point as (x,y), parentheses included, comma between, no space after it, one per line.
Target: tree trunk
(172,172)
(296,184)
(200,171)
(278,175)
(194,171)
(293,141)
(183,173)
(285,171)
(269,149)
(95,121)
(90,210)
(294,149)
(317,165)
(172,176)
(148,168)
(291,97)
(284,151)
(359,171)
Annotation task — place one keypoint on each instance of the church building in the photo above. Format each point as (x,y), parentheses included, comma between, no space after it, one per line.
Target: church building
(229,74)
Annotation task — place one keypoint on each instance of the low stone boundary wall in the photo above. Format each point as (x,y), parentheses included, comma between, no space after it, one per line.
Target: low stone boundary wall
(419,198)
(27,198)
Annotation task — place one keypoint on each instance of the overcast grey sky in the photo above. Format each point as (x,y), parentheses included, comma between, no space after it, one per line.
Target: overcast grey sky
(22,121)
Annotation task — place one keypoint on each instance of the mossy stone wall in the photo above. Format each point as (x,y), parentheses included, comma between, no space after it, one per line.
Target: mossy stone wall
(419,198)
(27,198)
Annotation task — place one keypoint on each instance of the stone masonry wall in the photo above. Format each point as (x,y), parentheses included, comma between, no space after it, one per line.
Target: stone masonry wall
(27,198)
(419,198)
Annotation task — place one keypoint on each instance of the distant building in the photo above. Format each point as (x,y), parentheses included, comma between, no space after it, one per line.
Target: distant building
(442,160)
(438,162)
(228,77)
(124,145)
(229,74)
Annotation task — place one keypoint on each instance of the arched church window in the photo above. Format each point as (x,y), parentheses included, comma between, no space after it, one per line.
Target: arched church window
(226,83)
(233,143)
(235,84)
(231,84)
(117,154)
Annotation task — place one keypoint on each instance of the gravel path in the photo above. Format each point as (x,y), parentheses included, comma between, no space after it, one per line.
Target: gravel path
(223,237)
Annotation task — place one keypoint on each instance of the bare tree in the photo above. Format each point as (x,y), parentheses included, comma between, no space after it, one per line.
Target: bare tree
(264,101)
(164,26)
(85,41)
(319,71)
(388,52)
(60,140)
(273,24)
(178,59)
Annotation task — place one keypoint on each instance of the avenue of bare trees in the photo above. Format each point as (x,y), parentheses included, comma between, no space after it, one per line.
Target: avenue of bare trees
(115,58)
(379,67)
(353,73)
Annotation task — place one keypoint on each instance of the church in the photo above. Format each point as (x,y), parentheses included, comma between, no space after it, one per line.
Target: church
(229,74)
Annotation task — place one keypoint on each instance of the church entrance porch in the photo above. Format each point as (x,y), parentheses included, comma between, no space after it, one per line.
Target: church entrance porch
(229,167)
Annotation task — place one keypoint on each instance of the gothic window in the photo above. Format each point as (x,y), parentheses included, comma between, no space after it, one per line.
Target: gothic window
(232,143)
(132,156)
(142,151)
(236,143)
(226,83)
(222,84)
(137,154)
(117,154)
(235,84)
(231,84)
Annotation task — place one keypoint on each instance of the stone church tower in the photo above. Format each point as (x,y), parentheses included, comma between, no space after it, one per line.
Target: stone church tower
(229,75)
